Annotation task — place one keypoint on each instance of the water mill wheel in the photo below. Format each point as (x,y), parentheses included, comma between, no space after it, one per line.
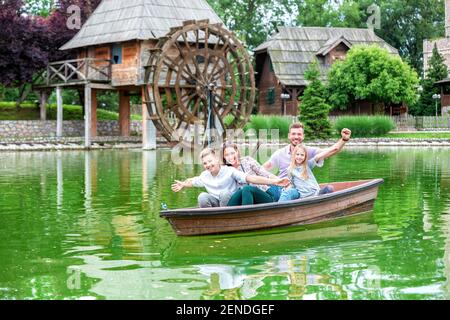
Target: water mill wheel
(199,75)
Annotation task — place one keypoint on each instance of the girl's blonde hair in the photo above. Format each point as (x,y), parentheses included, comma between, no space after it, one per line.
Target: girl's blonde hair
(293,165)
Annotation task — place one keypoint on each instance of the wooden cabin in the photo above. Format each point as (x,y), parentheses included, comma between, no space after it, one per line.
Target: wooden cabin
(281,63)
(112,49)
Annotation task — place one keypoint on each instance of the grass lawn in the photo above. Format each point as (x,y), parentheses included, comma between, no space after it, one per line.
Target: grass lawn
(420,135)
(402,135)
(29,111)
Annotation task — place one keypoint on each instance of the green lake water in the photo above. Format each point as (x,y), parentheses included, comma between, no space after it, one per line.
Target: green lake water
(85,225)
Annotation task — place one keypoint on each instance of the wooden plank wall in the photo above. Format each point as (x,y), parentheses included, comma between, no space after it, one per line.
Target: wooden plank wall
(268,81)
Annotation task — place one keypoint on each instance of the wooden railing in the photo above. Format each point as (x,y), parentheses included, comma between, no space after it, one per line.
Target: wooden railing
(77,70)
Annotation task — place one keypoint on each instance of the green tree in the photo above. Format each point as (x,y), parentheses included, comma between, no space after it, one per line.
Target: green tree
(314,109)
(437,71)
(253,20)
(326,13)
(371,73)
(404,23)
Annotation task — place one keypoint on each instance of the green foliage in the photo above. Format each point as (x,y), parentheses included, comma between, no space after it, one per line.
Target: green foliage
(108,100)
(426,105)
(371,73)
(253,20)
(404,23)
(40,8)
(324,13)
(269,122)
(228,120)
(259,122)
(30,111)
(12,105)
(314,109)
(71,112)
(281,123)
(365,126)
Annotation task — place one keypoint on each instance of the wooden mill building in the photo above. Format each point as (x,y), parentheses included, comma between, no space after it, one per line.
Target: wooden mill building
(112,49)
(281,63)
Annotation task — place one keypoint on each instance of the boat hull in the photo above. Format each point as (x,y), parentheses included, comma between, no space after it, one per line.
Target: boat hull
(350,198)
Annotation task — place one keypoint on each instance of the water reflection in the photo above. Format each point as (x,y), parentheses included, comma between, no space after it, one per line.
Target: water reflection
(59,183)
(86,225)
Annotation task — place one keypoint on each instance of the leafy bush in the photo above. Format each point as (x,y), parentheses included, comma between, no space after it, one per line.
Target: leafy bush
(12,105)
(267,122)
(281,123)
(72,112)
(259,122)
(227,120)
(365,126)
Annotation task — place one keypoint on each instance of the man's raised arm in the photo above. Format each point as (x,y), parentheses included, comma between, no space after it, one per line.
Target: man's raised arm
(337,147)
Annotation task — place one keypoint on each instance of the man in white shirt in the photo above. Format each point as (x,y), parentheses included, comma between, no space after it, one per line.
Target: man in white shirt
(220,181)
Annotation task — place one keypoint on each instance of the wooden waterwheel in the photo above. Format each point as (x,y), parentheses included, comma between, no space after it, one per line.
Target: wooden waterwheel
(199,76)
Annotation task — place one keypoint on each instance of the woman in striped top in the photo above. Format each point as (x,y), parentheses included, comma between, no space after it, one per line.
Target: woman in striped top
(247,194)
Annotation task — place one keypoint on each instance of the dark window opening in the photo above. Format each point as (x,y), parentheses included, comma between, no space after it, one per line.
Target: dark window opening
(117,54)
(270,65)
(446,89)
(270,98)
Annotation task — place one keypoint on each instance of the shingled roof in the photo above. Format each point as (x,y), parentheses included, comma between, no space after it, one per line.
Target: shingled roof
(123,20)
(292,49)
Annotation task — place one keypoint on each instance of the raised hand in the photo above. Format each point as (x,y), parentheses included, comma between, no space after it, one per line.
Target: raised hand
(177,186)
(346,134)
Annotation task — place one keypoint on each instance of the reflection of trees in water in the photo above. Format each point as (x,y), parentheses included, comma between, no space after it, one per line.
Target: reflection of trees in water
(415,195)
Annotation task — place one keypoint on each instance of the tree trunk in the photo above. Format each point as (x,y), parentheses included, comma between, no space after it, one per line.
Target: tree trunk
(24,91)
(81,96)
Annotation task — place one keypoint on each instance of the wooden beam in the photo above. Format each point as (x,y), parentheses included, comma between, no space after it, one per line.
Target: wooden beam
(94,113)
(124,114)
(43,105)
(87,115)
(59,112)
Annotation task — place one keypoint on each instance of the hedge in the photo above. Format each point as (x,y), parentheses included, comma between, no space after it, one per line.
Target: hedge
(365,126)
(70,112)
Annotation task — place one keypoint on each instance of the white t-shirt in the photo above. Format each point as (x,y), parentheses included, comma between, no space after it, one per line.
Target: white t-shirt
(227,180)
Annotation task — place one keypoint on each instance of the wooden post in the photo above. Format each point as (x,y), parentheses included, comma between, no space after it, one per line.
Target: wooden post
(148,128)
(87,115)
(43,105)
(124,114)
(94,113)
(294,97)
(59,112)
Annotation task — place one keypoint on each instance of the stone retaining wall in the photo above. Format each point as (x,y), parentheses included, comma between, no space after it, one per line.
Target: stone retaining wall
(72,128)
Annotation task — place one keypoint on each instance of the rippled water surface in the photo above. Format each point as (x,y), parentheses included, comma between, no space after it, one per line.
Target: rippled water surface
(85,225)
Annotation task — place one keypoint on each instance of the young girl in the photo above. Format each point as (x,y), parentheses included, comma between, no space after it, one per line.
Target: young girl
(303,182)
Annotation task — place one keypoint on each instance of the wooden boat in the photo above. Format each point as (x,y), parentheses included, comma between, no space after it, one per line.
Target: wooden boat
(349,198)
